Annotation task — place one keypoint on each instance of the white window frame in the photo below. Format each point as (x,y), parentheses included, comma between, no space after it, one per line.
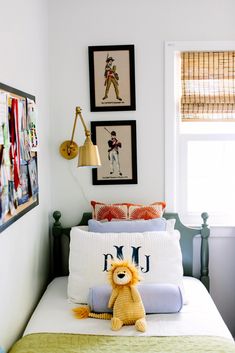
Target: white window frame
(172,80)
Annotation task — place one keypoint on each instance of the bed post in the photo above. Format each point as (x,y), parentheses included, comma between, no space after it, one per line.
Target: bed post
(56,233)
(205,233)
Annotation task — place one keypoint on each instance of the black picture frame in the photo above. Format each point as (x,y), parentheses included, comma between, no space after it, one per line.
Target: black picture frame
(120,166)
(16,196)
(112,83)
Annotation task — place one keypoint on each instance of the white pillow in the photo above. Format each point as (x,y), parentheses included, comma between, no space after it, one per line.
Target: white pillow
(85,228)
(170,225)
(158,255)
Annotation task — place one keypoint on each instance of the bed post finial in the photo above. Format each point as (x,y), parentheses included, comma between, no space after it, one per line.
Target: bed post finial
(205,233)
(57,216)
(204,216)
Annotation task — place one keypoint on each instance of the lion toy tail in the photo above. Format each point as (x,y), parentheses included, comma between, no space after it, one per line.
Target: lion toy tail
(83,312)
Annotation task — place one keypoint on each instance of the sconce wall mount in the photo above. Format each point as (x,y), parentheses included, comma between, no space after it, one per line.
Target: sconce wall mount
(68,149)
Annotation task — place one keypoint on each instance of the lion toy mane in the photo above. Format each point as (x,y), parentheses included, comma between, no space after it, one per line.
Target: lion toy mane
(125,300)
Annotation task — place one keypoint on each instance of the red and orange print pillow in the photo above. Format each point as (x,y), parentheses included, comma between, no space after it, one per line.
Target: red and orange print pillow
(128,211)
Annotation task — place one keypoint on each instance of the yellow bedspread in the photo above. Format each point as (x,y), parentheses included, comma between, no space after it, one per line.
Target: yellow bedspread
(72,343)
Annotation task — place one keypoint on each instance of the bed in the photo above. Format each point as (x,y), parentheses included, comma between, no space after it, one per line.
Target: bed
(198,327)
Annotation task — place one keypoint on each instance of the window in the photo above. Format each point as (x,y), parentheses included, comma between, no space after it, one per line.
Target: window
(200,130)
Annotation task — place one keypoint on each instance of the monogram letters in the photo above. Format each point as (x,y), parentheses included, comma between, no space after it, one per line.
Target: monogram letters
(135,258)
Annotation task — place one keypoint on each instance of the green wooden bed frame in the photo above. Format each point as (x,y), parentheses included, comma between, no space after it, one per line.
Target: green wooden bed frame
(61,238)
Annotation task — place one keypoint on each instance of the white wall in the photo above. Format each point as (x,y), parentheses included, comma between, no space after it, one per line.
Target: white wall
(147,24)
(222,265)
(24,245)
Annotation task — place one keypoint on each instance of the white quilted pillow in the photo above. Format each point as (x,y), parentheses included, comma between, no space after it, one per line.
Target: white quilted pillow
(158,255)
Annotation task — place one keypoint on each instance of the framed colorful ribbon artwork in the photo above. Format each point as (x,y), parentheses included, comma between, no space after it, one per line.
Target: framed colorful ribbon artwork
(18,155)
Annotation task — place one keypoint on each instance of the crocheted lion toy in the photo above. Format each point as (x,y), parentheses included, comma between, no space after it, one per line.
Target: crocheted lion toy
(125,299)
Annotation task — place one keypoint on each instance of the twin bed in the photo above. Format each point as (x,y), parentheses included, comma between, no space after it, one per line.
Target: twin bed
(198,327)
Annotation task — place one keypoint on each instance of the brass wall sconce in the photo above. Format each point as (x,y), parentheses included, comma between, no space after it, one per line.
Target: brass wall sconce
(88,154)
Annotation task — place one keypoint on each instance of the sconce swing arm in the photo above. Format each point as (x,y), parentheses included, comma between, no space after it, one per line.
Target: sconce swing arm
(88,153)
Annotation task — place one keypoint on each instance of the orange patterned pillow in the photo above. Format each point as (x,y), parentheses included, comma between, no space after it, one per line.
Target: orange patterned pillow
(154,210)
(102,211)
(108,212)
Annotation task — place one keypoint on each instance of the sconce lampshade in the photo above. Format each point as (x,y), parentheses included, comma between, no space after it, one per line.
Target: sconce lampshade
(88,155)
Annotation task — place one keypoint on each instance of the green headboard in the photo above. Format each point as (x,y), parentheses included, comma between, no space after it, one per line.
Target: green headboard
(61,238)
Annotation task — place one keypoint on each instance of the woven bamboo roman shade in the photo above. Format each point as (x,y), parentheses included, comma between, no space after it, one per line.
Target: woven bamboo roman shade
(208,86)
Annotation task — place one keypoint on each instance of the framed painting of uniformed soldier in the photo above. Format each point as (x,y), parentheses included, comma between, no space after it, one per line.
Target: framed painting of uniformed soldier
(112,77)
(116,141)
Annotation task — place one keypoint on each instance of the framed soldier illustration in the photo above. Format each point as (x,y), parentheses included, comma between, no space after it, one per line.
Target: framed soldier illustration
(116,141)
(112,77)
